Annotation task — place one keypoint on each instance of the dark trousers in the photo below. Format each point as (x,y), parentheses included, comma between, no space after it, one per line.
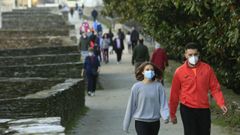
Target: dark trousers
(119,54)
(195,121)
(92,82)
(147,128)
(134,44)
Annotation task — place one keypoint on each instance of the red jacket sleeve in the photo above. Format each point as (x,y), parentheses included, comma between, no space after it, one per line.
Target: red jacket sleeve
(215,89)
(174,95)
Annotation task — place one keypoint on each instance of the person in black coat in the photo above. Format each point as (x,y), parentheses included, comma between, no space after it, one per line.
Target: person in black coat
(134,37)
(94,14)
(118,47)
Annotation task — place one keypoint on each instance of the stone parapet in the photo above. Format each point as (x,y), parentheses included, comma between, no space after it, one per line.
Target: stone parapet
(36,126)
(31,42)
(39,51)
(59,70)
(6,33)
(40,59)
(63,100)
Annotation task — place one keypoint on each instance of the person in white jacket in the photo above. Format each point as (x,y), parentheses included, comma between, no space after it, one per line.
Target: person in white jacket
(147,102)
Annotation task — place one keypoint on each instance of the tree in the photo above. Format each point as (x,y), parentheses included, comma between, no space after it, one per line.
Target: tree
(213,24)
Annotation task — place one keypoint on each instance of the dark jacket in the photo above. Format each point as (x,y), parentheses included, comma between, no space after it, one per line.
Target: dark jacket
(115,45)
(91,63)
(134,35)
(140,54)
(84,44)
(94,13)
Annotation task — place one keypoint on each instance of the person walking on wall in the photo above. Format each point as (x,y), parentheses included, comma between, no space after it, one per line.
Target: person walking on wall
(159,58)
(191,85)
(140,54)
(118,47)
(91,67)
(147,102)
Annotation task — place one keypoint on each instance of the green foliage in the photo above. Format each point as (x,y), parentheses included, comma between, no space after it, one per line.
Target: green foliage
(213,24)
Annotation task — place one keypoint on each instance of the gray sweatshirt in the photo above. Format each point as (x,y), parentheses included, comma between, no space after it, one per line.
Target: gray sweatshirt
(147,102)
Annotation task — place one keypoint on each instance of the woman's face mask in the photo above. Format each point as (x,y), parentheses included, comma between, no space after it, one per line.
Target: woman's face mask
(90,53)
(149,74)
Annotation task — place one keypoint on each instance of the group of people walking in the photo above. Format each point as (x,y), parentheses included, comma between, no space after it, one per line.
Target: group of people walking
(191,86)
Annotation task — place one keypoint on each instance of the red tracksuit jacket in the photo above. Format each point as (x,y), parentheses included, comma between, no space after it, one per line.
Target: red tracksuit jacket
(192,90)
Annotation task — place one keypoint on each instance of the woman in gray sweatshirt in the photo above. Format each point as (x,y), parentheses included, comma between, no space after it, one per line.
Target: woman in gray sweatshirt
(147,102)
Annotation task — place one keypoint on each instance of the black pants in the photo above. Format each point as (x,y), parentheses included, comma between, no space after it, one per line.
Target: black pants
(92,82)
(119,54)
(147,128)
(195,121)
(134,44)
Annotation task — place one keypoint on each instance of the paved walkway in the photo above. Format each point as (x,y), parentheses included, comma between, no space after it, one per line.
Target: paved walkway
(107,108)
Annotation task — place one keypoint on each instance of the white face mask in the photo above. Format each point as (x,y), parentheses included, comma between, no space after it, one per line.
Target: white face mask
(193,60)
(90,54)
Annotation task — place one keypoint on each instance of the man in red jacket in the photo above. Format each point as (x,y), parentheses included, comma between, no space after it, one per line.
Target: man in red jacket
(191,85)
(159,58)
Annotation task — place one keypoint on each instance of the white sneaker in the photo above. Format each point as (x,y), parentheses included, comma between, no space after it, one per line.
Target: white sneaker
(89,93)
(92,94)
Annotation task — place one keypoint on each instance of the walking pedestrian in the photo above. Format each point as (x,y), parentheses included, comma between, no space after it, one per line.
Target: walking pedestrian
(121,35)
(134,37)
(129,43)
(140,54)
(84,44)
(94,14)
(191,85)
(104,46)
(84,27)
(118,48)
(110,37)
(91,67)
(71,11)
(147,102)
(159,58)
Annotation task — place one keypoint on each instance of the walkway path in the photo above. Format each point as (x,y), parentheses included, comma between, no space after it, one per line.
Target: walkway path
(107,108)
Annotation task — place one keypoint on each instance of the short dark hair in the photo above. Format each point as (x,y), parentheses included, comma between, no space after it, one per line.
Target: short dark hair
(192,45)
(141,40)
(138,73)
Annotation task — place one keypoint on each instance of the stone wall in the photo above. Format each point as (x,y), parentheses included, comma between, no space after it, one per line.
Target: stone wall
(39,51)
(32,126)
(57,70)
(28,28)
(63,100)
(43,59)
(33,33)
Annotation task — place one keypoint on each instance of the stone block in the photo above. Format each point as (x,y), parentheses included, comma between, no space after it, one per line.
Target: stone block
(4,33)
(40,59)
(39,51)
(57,70)
(46,126)
(63,100)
